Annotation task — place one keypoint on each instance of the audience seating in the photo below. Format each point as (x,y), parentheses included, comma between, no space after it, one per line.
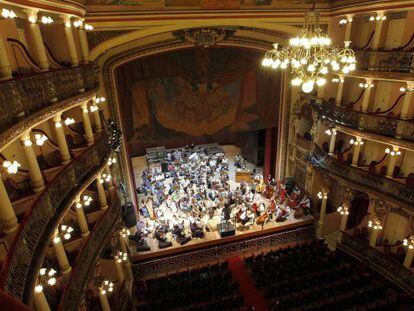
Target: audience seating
(208,288)
(310,277)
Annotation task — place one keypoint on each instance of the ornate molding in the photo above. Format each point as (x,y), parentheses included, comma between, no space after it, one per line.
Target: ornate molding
(205,37)
(97,37)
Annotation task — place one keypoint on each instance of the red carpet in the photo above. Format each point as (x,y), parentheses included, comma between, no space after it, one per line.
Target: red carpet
(253,298)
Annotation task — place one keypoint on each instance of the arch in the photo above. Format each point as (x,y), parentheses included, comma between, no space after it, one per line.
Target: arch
(179,25)
(358,209)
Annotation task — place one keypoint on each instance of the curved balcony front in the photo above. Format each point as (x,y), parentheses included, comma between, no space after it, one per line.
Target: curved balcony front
(385,61)
(89,254)
(24,259)
(380,125)
(378,183)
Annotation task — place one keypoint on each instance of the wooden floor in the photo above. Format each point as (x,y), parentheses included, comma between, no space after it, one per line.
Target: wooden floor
(211,238)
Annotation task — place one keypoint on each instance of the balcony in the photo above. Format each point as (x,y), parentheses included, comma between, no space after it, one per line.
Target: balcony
(88,255)
(25,96)
(339,116)
(391,188)
(24,259)
(387,266)
(385,61)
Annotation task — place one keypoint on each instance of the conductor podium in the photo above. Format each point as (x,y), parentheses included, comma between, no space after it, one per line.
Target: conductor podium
(226,229)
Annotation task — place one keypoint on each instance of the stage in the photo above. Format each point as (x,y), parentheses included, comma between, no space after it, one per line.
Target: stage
(212,237)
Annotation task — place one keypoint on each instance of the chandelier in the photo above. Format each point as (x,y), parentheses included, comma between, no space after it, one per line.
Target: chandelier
(310,56)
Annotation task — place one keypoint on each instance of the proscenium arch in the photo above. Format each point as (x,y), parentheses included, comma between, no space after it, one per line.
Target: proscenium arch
(180,25)
(109,79)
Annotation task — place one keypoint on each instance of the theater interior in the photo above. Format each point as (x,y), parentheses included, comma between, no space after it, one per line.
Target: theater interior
(229,155)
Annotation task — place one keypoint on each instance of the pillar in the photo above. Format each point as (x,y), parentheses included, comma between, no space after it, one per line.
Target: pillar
(87,124)
(332,143)
(61,139)
(5,68)
(408,260)
(110,183)
(378,32)
(83,224)
(123,242)
(70,41)
(391,163)
(339,91)
(366,96)
(8,218)
(119,271)
(357,150)
(101,193)
(83,41)
(34,169)
(98,122)
(128,269)
(322,213)
(37,40)
(406,102)
(40,301)
(373,238)
(61,255)
(103,299)
(344,219)
(348,27)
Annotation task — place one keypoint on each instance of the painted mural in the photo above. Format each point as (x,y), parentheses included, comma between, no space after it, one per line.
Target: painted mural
(196,95)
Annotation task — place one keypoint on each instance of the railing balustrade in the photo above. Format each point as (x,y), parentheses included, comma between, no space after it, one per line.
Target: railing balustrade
(389,267)
(339,116)
(376,182)
(303,143)
(90,252)
(20,268)
(392,61)
(26,95)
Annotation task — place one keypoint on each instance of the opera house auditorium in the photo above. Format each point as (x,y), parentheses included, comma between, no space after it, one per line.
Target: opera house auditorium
(212,155)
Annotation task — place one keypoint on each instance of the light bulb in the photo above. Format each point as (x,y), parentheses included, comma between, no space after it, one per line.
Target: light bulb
(321,81)
(297,81)
(307,86)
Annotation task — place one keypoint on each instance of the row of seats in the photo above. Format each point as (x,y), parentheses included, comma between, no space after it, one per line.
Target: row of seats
(310,277)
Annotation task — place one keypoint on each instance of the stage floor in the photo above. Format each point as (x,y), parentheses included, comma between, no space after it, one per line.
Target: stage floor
(213,237)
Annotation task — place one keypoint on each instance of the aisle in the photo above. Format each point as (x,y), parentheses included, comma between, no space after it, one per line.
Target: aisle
(253,298)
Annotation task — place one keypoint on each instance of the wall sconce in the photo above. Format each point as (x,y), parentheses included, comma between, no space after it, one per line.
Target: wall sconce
(345,20)
(69,121)
(409,242)
(46,277)
(378,18)
(11,167)
(366,85)
(337,80)
(392,152)
(105,177)
(87,200)
(27,143)
(5,13)
(106,287)
(376,224)
(40,139)
(100,100)
(111,160)
(93,108)
(121,257)
(46,20)
(125,232)
(78,23)
(407,90)
(356,142)
(322,195)
(343,210)
(32,19)
(330,132)
(88,27)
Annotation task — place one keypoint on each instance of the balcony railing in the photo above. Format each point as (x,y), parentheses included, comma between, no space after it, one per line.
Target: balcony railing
(21,97)
(378,183)
(339,116)
(303,143)
(389,267)
(85,262)
(391,61)
(19,270)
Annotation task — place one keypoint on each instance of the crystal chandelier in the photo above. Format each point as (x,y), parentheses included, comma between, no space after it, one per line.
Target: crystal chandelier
(310,56)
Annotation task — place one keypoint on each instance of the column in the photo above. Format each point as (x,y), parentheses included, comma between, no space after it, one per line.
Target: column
(344,217)
(87,124)
(332,142)
(110,183)
(69,40)
(339,90)
(348,27)
(83,41)
(366,96)
(406,101)
(103,299)
(37,40)
(8,218)
(5,68)
(101,193)
(324,201)
(119,270)
(61,254)
(391,163)
(123,240)
(40,301)
(61,139)
(357,149)
(408,260)
(83,224)
(373,238)
(34,169)
(128,269)
(378,31)
(97,117)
